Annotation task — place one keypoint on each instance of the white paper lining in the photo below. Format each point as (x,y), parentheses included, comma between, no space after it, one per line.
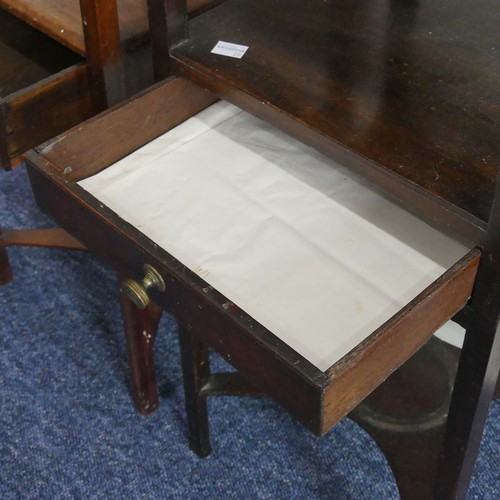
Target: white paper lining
(316,257)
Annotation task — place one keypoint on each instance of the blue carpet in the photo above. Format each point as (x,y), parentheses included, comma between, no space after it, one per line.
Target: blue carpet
(68,429)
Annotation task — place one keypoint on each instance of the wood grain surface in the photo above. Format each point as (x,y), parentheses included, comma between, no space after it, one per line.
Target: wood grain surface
(411,88)
(61,19)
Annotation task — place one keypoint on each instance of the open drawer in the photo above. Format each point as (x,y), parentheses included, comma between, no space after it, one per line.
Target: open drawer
(43,89)
(304,279)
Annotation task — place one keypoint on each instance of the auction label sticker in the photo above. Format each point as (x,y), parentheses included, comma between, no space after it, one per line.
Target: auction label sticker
(229,49)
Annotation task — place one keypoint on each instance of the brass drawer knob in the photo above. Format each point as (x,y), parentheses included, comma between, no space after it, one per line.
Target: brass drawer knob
(138,292)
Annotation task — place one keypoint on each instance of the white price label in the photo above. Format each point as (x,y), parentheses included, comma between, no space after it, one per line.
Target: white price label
(229,49)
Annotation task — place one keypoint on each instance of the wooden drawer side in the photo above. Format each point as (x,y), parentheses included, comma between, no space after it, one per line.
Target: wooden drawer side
(84,151)
(46,109)
(366,367)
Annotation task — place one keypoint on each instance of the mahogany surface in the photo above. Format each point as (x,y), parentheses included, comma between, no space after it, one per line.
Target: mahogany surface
(137,121)
(407,414)
(477,373)
(62,20)
(437,114)
(54,237)
(410,87)
(103,52)
(27,55)
(141,326)
(47,88)
(319,399)
(6,273)
(31,65)
(43,110)
(55,102)
(308,394)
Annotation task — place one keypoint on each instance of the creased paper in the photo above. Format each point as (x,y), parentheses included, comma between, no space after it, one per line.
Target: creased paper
(283,232)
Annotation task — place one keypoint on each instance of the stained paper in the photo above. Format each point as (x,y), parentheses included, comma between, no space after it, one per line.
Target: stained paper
(315,256)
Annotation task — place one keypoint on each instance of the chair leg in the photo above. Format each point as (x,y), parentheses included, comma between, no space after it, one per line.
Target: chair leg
(477,373)
(6,274)
(140,332)
(196,370)
(54,237)
(474,387)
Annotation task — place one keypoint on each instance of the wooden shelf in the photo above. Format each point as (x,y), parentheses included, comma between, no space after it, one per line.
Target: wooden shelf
(43,88)
(62,20)
(406,93)
(27,56)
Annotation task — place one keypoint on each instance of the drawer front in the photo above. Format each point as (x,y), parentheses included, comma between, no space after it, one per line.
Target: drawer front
(39,112)
(197,307)
(318,399)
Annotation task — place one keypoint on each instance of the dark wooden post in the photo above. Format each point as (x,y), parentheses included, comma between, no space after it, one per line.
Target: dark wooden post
(168,26)
(477,371)
(103,52)
(141,326)
(5,161)
(196,371)
(5,268)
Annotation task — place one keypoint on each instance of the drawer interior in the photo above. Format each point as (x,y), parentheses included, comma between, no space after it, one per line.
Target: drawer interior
(291,238)
(28,56)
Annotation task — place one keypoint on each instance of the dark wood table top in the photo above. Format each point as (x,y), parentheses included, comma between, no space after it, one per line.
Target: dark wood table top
(412,86)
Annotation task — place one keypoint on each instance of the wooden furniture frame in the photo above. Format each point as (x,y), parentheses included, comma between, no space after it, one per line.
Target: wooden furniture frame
(45,108)
(48,85)
(37,109)
(56,72)
(431,167)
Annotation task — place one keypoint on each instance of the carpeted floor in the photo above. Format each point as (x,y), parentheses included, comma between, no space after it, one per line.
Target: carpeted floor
(68,429)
